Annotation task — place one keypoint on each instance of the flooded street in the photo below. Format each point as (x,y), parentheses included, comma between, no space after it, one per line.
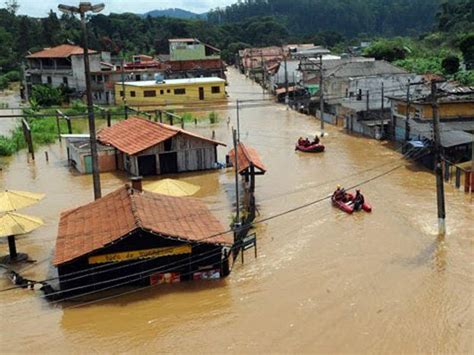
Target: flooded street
(323,282)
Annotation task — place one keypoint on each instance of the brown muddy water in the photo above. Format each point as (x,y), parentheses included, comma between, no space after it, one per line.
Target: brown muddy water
(324,282)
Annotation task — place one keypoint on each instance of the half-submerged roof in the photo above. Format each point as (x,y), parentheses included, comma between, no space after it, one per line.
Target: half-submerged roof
(135,135)
(245,157)
(113,217)
(61,51)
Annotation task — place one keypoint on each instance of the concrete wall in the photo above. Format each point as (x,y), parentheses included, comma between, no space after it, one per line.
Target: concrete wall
(446,110)
(195,51)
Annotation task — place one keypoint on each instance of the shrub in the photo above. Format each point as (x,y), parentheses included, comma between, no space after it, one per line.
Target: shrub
(13,75)
(7,146)
(45,95)
(450,64)
(213,117)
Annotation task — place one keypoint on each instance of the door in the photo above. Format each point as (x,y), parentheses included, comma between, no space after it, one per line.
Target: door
(147,165)
(88,164)
(201,93)
(168,163)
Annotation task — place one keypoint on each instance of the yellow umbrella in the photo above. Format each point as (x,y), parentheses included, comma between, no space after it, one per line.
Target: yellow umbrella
(172,187)
(13,200)
(12,224)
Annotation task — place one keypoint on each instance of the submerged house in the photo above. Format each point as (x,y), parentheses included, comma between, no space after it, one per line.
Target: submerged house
(145,148)
(134,237)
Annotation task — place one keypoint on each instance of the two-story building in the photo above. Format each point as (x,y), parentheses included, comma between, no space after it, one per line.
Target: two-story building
(63,65)
(190,58)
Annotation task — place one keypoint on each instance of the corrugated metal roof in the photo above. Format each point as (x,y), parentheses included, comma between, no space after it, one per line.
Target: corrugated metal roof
(356,69)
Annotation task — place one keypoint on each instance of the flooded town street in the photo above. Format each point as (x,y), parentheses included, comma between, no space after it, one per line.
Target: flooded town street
(324,281)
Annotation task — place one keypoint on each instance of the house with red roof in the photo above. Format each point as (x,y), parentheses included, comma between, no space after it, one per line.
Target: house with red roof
(135,237)
(145,148)
(63,65)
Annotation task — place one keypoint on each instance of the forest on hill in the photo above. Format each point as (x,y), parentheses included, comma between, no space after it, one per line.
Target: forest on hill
(349,18)
(417,34)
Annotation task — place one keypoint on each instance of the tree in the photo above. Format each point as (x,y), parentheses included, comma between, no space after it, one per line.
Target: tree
(12,6)
(386,50)
(450,64)
(467,48)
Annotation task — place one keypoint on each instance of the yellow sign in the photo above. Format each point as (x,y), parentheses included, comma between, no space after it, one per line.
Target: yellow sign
(140,254)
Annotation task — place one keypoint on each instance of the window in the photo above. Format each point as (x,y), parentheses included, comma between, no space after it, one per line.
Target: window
(162,92)
(133,94)
(149,93)
(138,77)
(65,80)
(121,93)
(168,91)
(168,144)
(216,89)
(180,91)
(50,81)
(418,112)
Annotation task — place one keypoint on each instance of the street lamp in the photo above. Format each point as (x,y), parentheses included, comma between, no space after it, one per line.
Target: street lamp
(82,9)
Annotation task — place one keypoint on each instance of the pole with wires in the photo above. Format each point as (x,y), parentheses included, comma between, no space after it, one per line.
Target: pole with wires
(437,161)
(407,117)
(321,94)
(236,171)
(90,111)
(287,95)
(238,120)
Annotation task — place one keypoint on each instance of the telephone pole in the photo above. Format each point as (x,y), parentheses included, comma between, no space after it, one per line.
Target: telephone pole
(437,161)
(287,97)
(82,9)
(238,120)
(407,117)
(236,170)
(321,93)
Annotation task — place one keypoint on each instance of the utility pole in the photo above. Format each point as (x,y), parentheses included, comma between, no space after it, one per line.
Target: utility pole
(437,161)
(124,100)
(367,105)
(263,72)
(321,93)
(407,118)
(236,170)
(238,120)
(25,82)
(382,106)
(82,9)
(287,97)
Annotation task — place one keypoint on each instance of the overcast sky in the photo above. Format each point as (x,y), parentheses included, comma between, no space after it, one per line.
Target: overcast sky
(39,8)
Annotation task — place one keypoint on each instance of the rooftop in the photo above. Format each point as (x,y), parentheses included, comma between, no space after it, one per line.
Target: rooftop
(105,221)
(370,68)
(61,51)
(135,135)
(176,82)
(245,157)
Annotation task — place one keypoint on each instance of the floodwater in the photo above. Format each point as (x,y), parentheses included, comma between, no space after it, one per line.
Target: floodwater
(323,282)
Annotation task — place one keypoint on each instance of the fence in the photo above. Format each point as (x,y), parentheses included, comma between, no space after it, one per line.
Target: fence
(459,175)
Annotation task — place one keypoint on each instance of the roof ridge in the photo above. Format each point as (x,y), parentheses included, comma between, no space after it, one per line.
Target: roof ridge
(133,206)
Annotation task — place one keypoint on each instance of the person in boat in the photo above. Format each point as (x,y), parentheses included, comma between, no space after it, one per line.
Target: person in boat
(306,142)
(358,200)
(339,194)
(300,141)
(316,140)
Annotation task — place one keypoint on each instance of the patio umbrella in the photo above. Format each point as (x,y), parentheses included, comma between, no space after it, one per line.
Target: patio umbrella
(11,200)
(13,224)
(172,187)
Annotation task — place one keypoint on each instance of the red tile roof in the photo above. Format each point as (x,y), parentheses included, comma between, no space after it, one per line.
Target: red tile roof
(245,156)
(102,222)
(61,51)
(135,135)
(179,65)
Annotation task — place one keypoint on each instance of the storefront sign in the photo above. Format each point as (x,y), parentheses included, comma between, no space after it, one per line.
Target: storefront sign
(140,254)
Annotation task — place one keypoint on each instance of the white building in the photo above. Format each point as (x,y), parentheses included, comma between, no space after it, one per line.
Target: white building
(64,65)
